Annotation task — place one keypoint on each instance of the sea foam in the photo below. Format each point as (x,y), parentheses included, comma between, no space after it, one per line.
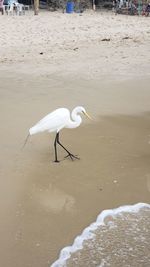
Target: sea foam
(88,232)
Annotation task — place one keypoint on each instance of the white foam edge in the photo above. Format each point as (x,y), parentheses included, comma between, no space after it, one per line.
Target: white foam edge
(66,252)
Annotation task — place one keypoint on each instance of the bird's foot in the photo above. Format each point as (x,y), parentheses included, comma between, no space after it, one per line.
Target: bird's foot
(72,156)
(56,161)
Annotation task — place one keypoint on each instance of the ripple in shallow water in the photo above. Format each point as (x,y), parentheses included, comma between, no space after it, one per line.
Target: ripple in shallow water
(119,237)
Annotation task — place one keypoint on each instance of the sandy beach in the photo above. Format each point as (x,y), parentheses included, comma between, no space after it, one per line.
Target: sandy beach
(97,60)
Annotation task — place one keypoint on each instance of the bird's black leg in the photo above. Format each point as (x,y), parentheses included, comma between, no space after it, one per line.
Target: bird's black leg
(69,154)
(55,146)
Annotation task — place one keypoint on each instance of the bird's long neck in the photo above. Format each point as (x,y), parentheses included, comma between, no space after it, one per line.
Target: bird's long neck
(76,119)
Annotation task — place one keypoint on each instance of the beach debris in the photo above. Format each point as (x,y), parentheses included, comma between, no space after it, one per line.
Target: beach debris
(126,38)
(41,53)
(76,48)
(105,40)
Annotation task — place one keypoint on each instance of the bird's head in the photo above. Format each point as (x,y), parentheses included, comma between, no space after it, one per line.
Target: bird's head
(82,110)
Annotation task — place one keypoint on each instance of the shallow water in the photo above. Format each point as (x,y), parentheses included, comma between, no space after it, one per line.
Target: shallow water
(119,237)
(44,206)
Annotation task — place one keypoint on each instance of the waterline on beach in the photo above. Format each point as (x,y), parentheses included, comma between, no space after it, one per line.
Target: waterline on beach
(119,237)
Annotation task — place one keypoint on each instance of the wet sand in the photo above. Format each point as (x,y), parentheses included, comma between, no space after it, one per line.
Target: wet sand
(119,237)
(44,206)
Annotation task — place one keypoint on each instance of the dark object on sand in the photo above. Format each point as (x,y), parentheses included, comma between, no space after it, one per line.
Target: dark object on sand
(105,40)
(126,38)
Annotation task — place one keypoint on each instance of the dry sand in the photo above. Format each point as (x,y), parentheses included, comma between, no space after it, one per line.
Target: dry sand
(55,60)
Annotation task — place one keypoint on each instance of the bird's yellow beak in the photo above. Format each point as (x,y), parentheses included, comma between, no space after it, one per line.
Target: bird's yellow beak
(85,113)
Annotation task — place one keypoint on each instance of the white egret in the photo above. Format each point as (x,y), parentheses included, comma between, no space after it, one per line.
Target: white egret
(56,121)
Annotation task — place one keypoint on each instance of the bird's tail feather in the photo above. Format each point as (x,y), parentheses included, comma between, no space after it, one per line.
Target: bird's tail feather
(34,130)
(26,141)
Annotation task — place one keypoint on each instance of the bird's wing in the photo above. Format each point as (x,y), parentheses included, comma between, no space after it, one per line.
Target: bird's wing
(54,121)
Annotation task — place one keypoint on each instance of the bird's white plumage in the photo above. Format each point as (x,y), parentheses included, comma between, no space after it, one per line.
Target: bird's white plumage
(56,121)
(53,122)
